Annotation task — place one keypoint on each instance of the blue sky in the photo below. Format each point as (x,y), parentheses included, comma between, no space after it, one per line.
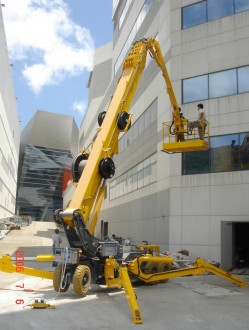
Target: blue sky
(51,46)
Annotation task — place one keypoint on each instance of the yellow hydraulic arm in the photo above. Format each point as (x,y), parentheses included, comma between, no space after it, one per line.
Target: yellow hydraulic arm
(199,268)
(99,165)
(106,142)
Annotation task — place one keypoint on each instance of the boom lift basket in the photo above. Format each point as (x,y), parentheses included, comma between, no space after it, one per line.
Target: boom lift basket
(189,139)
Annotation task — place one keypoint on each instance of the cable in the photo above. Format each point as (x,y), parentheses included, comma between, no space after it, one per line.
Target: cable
(63,270)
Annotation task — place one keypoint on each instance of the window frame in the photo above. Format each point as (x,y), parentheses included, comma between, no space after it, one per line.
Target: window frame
(193,4)
(208,79)
(240,166)
(207,13)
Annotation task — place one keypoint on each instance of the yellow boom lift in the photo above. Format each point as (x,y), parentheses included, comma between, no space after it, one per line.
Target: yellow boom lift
(90,259)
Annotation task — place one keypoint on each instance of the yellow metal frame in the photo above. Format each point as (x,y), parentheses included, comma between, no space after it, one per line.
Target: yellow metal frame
(112,268)
(134,268)
(130,295)
(191,142)
(7,266)
(199,268)
(41,305)
(122,281)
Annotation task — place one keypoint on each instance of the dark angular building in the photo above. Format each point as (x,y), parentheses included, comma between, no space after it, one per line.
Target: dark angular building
(48,144)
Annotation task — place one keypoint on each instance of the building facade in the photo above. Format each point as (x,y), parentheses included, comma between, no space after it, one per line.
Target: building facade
(195,201)
(48,144)
(9,132)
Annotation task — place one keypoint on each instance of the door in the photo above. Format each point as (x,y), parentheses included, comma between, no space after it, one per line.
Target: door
(227,245)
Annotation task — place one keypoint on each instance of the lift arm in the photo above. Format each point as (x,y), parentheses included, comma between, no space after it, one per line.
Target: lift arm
(106,142)
(99,165)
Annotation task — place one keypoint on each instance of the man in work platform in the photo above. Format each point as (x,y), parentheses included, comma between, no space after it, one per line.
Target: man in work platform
(200,123)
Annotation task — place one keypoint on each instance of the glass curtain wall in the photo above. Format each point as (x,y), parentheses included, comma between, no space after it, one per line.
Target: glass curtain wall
(44,175)
(227,153)
(217,84)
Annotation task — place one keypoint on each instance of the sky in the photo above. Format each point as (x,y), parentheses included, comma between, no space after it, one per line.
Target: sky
(51,44)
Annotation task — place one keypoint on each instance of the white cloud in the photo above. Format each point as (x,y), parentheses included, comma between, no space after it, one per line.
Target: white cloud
(80,107)
(41,34)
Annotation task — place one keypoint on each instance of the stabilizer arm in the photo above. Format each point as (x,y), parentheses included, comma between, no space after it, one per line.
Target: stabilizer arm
(200,267)
(7,266)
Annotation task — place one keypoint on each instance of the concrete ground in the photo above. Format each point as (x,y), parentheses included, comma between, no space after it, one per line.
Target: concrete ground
(190,303)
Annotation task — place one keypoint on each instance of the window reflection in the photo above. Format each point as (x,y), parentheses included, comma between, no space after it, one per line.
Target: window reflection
(195,89)
(220,8)
(222,83)
(244,151)
(196,162)
(133,33)
(45,173)
(241,5)
(243,79)
(225,153)
(209,10)
(124,13)
(194,15)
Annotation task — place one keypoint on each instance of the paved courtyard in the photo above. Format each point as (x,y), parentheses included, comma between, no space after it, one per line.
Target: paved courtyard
(190,303)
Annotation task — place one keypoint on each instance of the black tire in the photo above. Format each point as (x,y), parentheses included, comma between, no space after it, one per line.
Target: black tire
(57,280)
(162,267)
(82,280)
(106,168)
(101,117)
(78,165)
(56,217)
(123,118)
(149,267)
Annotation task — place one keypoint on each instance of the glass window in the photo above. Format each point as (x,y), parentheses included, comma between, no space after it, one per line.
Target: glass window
(153,162)
(130,136)
(244,151)
(195,89)
(121,144)
(147,118)
(118,187)
(135,129)
(243,79)
(209,10)
(133,33)
(222,83)
(241,5)
(112,190)
(224,153)
(141,124)
(147,171)
(140,175)
(123,15)
(134,178)
(194,14)
(219,8)
(125,182)
(196,162)
(129,181)
(227,153)
(37,188)
(154,111)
